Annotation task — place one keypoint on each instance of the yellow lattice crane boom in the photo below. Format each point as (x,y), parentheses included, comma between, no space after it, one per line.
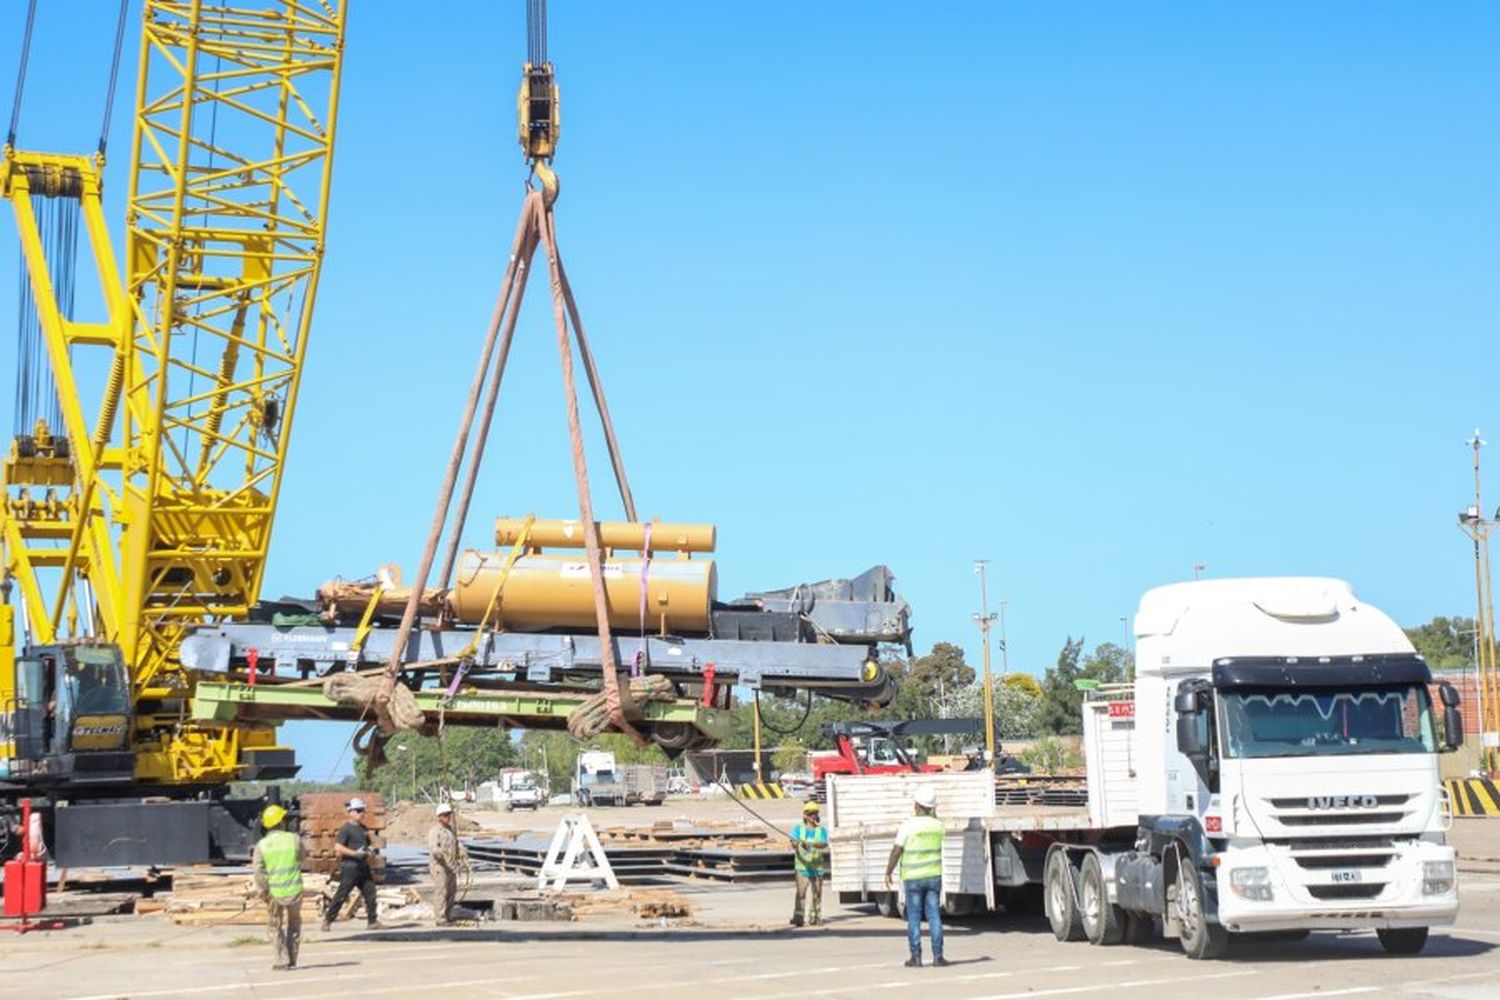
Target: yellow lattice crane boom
(134,512)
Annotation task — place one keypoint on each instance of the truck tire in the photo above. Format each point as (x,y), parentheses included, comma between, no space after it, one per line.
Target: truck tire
(1200,939)
(585,799)
(1061,888)
(1103,921)
(1402,940)
(889,904)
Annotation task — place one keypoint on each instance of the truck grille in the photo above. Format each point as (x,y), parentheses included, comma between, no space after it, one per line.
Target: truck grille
(1359,890)
(1372,810)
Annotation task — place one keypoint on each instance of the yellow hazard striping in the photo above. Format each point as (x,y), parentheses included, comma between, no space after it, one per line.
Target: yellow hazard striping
(759,790)
(1473,796)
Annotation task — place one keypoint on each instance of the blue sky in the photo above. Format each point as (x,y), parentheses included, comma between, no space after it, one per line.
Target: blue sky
(1095,291)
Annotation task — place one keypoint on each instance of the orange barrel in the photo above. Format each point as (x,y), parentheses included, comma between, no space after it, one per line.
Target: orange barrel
(612,535)
(546,591)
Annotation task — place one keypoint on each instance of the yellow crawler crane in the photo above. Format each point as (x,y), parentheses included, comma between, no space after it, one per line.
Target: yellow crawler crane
(129,523)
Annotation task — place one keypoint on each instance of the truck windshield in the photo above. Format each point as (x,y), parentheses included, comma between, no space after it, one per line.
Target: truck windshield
(1275,722)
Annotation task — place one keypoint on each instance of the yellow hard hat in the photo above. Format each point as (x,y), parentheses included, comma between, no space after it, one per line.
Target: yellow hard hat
(811,807)
(273,816)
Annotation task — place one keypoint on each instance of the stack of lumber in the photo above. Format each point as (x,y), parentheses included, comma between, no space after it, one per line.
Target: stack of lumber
(649,904)
(322,813)
(209,898)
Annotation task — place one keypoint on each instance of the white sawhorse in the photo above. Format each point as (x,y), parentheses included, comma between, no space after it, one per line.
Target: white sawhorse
(575,853)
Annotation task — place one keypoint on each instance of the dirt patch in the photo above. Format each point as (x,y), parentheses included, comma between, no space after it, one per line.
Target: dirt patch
(408,823)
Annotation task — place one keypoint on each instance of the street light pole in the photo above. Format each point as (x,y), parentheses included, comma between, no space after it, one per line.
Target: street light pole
(1474,524)
(983,619)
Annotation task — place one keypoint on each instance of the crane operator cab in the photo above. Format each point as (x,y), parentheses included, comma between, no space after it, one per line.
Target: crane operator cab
(65,717)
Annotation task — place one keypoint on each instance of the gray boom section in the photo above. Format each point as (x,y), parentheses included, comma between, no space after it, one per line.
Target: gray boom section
(539,658)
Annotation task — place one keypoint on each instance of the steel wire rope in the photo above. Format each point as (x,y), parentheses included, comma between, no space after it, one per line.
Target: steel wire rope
(15,107)
(114,76)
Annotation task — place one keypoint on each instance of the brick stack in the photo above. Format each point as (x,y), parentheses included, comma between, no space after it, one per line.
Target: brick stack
(322,815)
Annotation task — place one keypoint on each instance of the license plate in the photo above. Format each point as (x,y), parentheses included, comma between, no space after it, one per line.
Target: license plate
(1347,876)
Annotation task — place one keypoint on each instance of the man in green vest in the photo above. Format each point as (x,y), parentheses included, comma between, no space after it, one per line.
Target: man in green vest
(810,845)
(919,850)
(277,860)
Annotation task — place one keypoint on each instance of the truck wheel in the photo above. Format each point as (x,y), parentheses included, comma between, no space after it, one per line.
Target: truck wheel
(1103,921)
(1062,898)
(510,807)
(585,799)
(1402,940)
(1200,938)
(889,904)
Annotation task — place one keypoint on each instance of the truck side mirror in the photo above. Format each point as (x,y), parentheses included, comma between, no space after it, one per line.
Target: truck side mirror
(1453,719)
(1192,735)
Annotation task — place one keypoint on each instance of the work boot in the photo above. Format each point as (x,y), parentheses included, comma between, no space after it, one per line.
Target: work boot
(915,962)
(374,925)
(326,926)
(796,921)
(939,961)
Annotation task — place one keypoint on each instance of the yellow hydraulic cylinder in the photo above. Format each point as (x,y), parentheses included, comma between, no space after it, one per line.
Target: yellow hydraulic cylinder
(545,591)
(560,534)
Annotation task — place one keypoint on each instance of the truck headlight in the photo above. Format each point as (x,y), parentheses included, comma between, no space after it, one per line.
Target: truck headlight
(1437,877)
(1251,883)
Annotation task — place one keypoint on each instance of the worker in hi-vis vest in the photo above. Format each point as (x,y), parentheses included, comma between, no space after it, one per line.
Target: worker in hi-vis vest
(919,851)
(810,846)
(277,860)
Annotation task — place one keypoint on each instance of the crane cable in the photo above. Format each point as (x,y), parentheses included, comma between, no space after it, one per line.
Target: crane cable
(536,31)
(114,77)
(15,107)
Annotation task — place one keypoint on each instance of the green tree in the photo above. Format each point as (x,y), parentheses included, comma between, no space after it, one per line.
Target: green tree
(790,756)
(1061,700)
(418,768)
(1445,643)
(1109,664)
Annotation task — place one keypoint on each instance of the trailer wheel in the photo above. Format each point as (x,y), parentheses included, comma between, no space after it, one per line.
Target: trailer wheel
(1061,887)
(1402,940)
(1103,921)
(1200,938)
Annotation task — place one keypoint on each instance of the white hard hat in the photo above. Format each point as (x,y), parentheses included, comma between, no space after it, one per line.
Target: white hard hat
(444,809)
(926,797)
(355,804)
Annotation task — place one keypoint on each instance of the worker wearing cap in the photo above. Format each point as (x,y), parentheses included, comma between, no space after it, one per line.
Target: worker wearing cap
(277,860)
(810,845)
(442,864)
(919,851)
(353,848)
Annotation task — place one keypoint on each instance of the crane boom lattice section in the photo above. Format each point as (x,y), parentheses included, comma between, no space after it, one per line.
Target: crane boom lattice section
(228,198)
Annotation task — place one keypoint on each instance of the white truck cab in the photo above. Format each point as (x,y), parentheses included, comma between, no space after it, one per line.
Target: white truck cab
(1284,755)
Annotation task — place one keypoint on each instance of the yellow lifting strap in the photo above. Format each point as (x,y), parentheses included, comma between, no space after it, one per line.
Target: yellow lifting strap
(366,620)
(522,537)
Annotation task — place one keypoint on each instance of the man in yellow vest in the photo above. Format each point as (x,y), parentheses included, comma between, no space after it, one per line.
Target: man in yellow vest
(810,846)
(277,860)
(919,850)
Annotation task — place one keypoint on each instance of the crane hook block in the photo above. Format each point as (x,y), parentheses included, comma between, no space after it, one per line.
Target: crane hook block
(539,110)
